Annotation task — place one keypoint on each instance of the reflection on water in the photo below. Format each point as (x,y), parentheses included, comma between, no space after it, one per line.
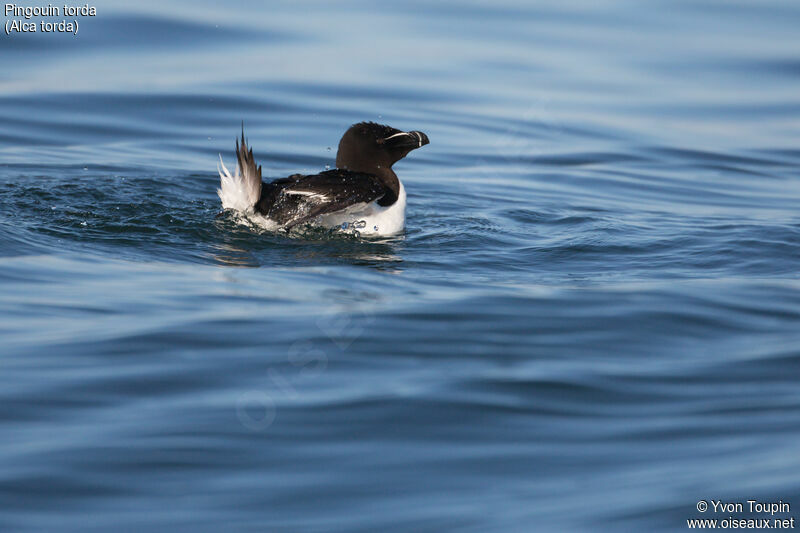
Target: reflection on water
(231,255)
(304,246)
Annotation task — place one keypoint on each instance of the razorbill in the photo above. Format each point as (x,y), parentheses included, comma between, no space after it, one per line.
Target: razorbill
(362,193)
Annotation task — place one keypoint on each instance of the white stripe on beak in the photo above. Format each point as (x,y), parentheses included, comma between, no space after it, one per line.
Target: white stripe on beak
(395,135)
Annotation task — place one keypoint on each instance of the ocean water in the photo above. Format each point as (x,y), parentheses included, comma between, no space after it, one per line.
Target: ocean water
(592,321)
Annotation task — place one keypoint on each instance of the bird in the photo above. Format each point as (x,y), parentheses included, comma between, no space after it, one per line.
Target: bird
(361,194)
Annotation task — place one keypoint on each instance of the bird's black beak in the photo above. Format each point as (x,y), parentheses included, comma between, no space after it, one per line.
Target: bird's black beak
(407,139)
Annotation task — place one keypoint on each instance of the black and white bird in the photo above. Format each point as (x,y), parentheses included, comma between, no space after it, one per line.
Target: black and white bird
(362,191)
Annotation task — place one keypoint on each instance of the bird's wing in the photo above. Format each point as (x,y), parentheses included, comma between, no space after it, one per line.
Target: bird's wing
(299,200)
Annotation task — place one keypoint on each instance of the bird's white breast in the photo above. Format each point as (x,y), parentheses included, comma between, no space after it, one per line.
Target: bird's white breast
(371,219)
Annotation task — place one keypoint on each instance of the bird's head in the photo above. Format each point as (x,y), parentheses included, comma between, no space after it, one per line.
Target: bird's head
(369,147)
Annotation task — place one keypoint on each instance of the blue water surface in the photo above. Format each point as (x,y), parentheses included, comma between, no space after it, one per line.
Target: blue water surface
(592,321)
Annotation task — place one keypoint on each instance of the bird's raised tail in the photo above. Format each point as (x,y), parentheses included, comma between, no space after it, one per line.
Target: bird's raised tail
(242,190)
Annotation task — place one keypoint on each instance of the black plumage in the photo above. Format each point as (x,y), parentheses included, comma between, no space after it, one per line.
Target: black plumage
(297,199)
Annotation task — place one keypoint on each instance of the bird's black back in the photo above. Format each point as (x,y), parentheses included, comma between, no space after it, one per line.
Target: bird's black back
(299,198)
